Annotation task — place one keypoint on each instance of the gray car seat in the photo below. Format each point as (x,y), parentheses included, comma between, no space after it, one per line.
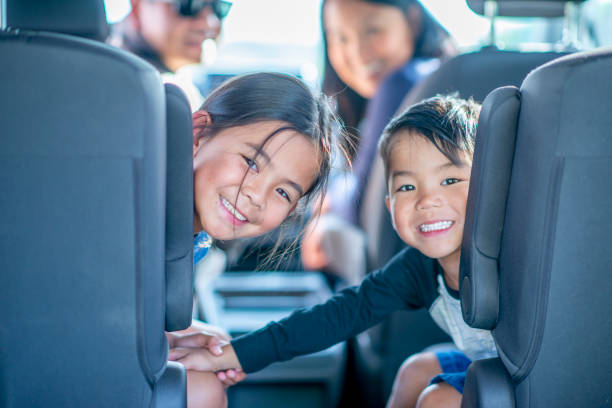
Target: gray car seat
(536,250)
(84,274)
(473,74)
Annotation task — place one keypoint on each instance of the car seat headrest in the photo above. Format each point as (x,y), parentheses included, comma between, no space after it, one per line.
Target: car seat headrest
(523,8)
(486,206)
(82,18)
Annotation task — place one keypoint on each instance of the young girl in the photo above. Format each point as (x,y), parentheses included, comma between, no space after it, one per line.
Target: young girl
(427,153)
(261,145)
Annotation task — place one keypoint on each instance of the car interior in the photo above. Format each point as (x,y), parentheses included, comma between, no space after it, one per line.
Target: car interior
(96,227)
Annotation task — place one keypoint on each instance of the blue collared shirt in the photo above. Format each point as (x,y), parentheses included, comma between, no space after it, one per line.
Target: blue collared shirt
(201,242)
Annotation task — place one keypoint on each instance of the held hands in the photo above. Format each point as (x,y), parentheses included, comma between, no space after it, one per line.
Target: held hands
(206,351)
(204,340)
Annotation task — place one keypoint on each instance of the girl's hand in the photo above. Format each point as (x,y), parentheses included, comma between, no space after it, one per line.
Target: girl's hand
(231,377)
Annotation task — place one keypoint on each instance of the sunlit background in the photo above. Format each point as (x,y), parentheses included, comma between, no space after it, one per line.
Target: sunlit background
(284,35)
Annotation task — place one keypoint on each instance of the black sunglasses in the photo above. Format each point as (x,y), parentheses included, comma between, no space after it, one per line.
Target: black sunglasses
(191,8)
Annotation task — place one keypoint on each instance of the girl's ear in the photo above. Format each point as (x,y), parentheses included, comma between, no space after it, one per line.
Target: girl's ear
(201,119)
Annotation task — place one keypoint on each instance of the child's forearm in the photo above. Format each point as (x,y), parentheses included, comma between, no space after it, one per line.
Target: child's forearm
(226,361)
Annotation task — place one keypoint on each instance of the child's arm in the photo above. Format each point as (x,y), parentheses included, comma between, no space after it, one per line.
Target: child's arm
(203,360)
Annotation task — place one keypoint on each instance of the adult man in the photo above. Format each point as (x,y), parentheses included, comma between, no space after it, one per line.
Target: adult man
(169,35)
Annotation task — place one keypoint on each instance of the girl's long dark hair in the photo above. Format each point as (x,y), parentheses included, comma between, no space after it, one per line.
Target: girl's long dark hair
(266,96)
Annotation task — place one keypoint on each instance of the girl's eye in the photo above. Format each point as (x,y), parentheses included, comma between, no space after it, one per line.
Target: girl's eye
(406,187)
(449,181)
(251,163)
(283,194)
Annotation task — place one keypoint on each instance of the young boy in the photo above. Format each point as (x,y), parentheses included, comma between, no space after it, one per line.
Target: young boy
(427,152)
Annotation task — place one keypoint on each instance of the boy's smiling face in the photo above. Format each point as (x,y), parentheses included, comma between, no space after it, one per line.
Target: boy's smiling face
(427,197)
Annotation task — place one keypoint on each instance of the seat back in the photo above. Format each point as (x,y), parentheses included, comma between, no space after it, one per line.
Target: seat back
(536,250)
(82,210)
(472,74)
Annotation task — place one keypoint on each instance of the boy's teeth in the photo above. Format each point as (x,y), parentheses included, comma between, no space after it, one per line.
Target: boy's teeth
(436,226)
(232,210)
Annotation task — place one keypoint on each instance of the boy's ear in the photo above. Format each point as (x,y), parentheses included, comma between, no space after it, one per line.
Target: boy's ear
(388,203)
(201,119)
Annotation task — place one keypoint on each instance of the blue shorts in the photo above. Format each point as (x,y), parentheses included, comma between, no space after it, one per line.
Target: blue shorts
(454,365)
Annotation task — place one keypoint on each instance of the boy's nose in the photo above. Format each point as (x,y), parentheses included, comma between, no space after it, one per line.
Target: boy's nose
(428,201)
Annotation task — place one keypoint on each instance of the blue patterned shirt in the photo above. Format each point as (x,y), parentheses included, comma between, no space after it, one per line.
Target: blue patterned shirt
(201,242)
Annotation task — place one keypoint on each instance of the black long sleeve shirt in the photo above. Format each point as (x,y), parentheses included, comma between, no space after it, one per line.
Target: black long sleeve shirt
(408,281)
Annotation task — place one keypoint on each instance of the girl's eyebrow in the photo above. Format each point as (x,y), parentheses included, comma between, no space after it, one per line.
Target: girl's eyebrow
(295,185)
(260,152)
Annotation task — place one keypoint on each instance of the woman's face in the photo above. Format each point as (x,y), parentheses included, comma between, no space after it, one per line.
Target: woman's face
(240,192)
(366,42)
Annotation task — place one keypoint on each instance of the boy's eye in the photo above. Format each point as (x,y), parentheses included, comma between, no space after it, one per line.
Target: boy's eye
(449,181)
(406,187)
(251,163)
(283,194)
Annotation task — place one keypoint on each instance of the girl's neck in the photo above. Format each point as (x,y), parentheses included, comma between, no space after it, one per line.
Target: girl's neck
(197,226)
(450,267)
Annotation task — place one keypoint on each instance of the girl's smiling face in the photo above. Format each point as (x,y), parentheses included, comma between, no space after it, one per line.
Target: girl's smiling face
(427,197)
(241,193)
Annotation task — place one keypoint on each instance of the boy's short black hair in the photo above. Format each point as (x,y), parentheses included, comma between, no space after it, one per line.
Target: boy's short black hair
(447,121)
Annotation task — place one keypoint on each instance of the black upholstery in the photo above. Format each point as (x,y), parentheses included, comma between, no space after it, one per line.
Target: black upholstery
(84,18)
(552,328)
(523,8)
(482,240)
(82,215)
(179,211)
(488,384)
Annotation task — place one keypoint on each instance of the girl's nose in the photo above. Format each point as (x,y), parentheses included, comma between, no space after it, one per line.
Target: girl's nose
(253,189)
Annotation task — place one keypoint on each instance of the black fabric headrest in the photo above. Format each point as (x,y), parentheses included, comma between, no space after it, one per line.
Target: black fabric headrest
(82,18)
(523,8)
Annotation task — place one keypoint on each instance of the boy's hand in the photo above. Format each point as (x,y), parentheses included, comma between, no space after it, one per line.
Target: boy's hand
(201,339)
(193,358)
(202,360)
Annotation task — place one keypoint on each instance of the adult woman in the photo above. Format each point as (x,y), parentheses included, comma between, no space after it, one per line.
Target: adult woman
(375,52)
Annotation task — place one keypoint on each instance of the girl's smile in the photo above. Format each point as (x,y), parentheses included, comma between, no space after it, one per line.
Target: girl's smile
(232,213)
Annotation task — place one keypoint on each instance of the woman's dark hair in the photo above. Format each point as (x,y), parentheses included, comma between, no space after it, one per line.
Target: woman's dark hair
(447,121)
(432,41)
(266,96)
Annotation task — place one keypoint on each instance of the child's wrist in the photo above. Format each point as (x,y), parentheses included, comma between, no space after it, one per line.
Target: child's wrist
(228,360)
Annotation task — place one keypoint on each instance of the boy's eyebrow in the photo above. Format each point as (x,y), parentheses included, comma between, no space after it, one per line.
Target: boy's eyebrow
(437,168)
(264,155)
